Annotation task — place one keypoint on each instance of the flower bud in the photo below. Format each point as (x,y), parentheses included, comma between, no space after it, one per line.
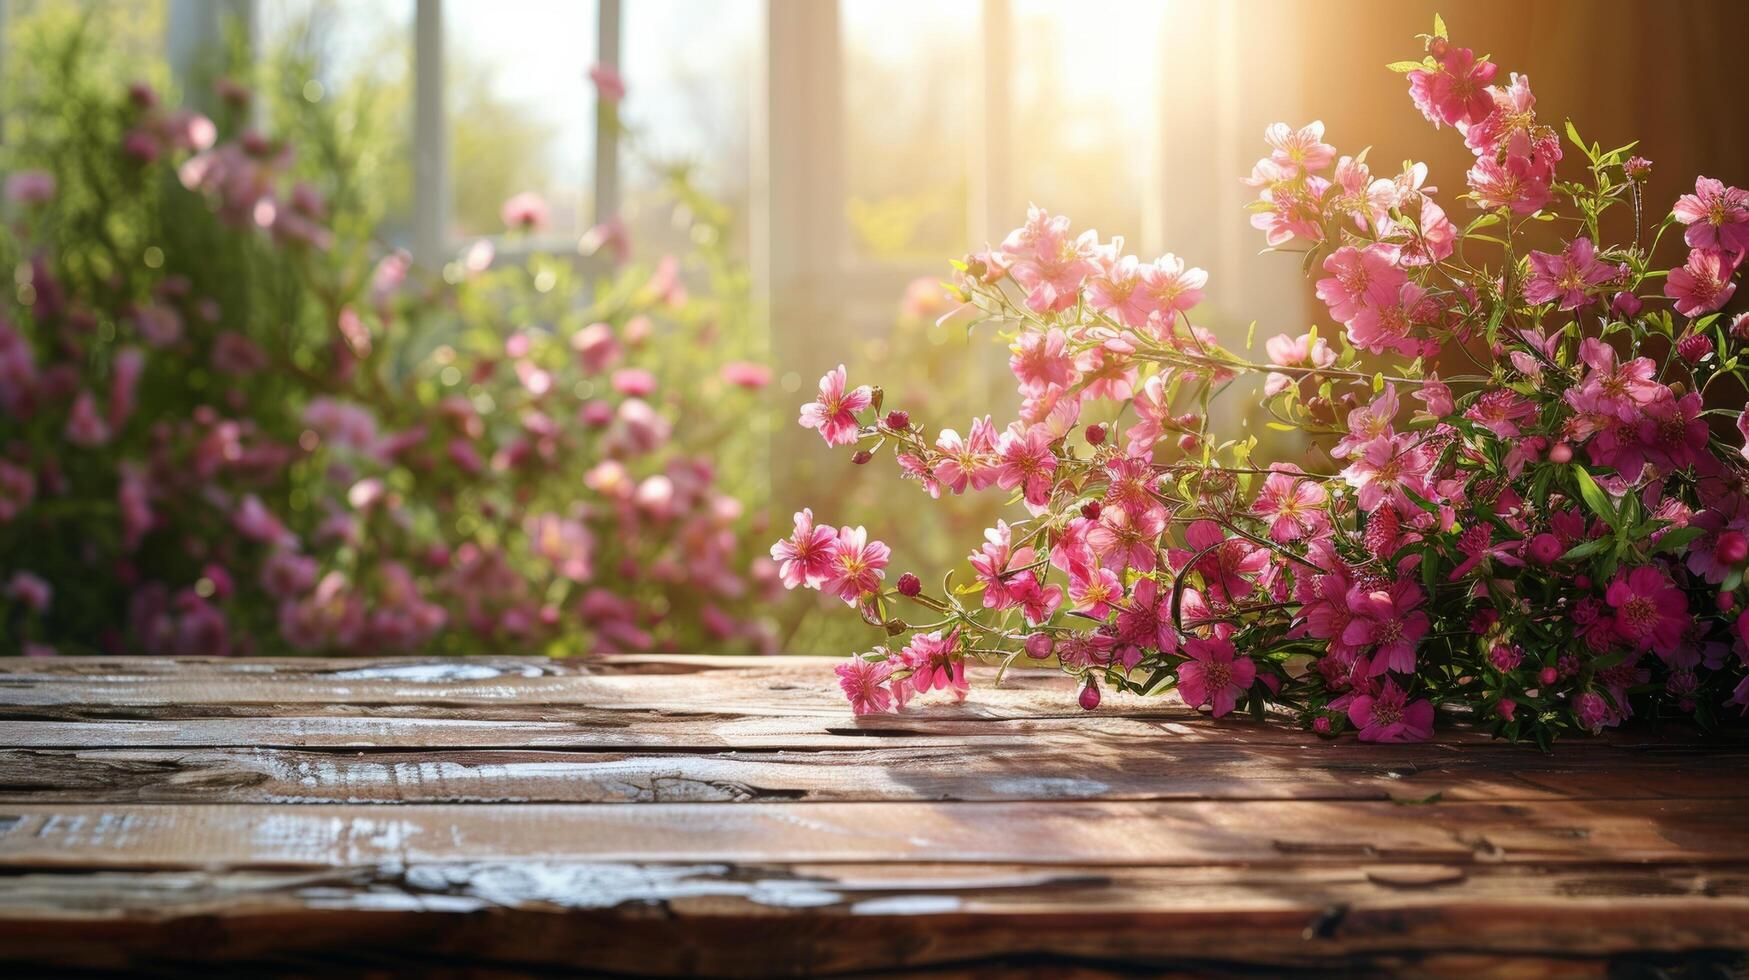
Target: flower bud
(898,420)
(1321,724)
(1091,510)
(862,456)
(1090,696)
(1625,304)
(1582,581)
(1547,675)
(1561,453)
(1694,347)
(1732,548)
(1545,549)
(1438,46)
(1188,442)
(1095,434)
(1040,645)
(1726,601)
(1637,167)
(910,586)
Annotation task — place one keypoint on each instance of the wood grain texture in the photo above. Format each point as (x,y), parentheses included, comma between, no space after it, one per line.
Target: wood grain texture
(678,815)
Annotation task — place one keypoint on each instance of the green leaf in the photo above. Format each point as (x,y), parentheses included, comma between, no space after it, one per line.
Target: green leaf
(1587,549)
(1439,27)
(1594,496)
(1405,66)
(1677,537)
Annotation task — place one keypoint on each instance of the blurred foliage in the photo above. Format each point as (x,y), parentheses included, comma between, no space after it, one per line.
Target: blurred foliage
(232,420)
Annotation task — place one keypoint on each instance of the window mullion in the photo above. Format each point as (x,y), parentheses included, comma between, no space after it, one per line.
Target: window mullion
(607,162)
(430,137)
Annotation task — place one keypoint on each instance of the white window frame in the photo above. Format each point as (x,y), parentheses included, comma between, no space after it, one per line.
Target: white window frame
(803,263)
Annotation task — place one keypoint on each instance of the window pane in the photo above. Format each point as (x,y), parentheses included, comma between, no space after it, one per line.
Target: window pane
(907,98)
(521,110)
(1083,100)
(356,56)
(689,82)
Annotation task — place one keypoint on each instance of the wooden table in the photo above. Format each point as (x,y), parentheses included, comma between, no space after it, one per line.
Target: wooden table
(729,816)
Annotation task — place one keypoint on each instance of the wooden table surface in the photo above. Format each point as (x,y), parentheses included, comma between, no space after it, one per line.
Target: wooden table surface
(659,815)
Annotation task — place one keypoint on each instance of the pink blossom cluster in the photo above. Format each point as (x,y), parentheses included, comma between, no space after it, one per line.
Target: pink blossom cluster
(284,441)
(1524,499)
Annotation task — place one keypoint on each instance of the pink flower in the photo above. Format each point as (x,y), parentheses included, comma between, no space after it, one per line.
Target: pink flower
(608,83)
(1499,410)
(1299,151)
(1388,619)
(993,561)
(834,411)
(255,522)
(30,186)
(857,565)
(636,382)
(1566,277)
(1514,184)
(1290,210)
(1229,563)
(124,383)
(970,461)
(1368,423)
(30,589)
(1611,388)
(936,663)
(1027,462)
(1047,263)
(1386,328)
(1037,601)
(1389,716)
(1171,287)
(1214,675)
(863,682)
(1117,292)
(1651,613)
(1293,506)
(17,490)
(1702,284)
(1387,469)
(1360,278)
(85,425)
(746,374)
(1094,591)
(1457,91)
(1146,621)
(1127,535)
(1040,363)
(596,347)
(1301,351)
(1717,216)
(526,211)
(806,556)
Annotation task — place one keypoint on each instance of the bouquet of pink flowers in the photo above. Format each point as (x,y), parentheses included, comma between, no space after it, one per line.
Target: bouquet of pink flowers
(1532,506)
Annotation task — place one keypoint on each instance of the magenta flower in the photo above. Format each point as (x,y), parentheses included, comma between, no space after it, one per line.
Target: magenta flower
(1293,505)
(863,682)
(1389,716)
(1618,390)
(85,425)
(31,590)
(1360,278)
(1717,216)
(1671,433)
(1500,411)
(857,565)
(1215,675)
(1567,277)
(1515,185)
(1230,564)
(936,663)
(1039,602)
(1368,422)
(833,413)
(1457,91)
(1387,469)
(1146,621)
(970,461)
(1651,613)
(1388,619)
(1703,283)
(997,563)
(1026,461)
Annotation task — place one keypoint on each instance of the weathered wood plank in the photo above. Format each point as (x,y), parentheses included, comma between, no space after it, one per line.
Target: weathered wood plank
(1083,833)
(794,918)
(1040,769)
(657,703)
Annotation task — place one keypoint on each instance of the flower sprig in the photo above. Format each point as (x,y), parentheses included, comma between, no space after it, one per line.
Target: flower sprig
(1518,505)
